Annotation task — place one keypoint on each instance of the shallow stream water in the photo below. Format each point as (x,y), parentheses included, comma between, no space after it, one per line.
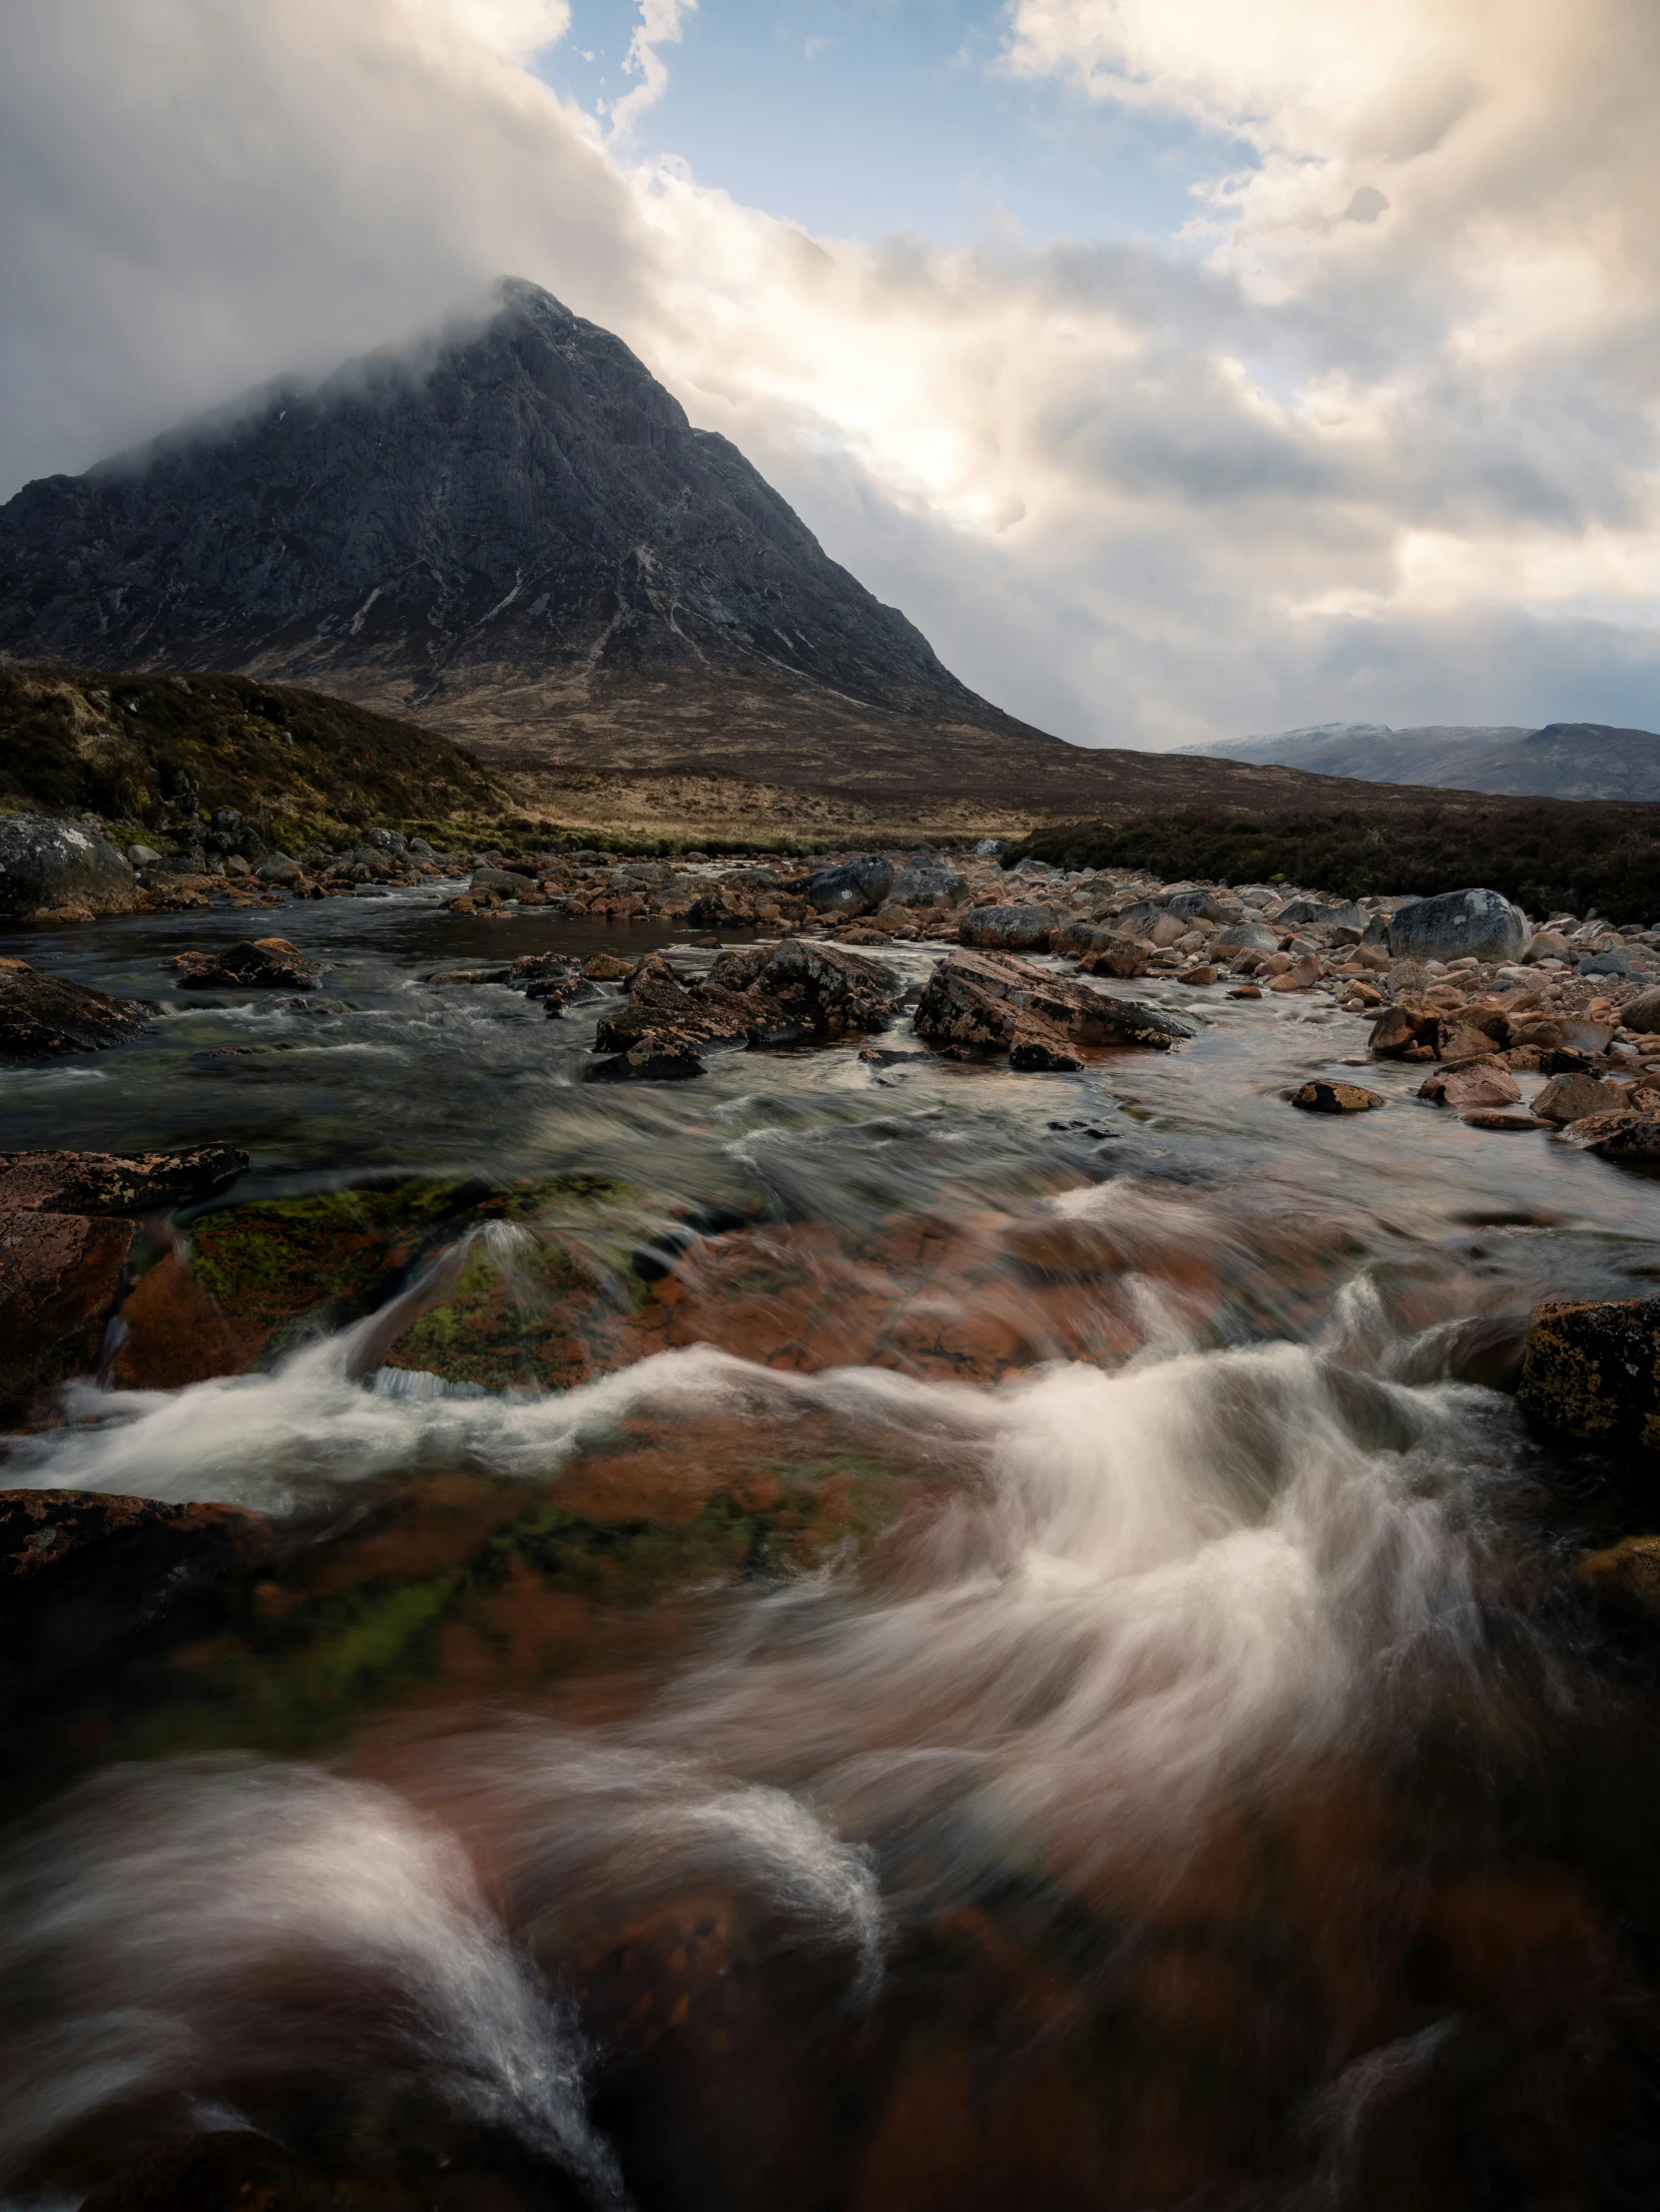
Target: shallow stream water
(1042,1671)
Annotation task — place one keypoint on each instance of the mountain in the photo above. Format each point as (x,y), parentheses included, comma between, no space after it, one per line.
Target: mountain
(1564,759)
(509,530)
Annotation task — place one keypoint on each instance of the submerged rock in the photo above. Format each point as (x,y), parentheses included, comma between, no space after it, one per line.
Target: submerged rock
(47,864)
(978,1004)
(267,963)
(1592,1372)
(44,1017)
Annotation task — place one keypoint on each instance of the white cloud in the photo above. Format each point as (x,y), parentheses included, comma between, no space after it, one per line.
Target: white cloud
(1379,441)
(661,23)
(516,27)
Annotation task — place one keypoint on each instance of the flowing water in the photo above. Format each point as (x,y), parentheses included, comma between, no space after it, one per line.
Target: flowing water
(1075,1692)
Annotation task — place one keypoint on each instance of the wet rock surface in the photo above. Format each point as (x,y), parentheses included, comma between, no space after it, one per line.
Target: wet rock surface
(261,963)
(1592,1372)
(1457,925)
(43,1017)
(762,997)
(60,1280)
(982,1004)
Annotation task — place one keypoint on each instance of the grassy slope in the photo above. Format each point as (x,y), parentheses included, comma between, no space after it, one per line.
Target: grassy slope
(294,764)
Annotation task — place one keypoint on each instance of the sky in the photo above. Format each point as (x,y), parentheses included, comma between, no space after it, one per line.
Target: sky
(1183,370)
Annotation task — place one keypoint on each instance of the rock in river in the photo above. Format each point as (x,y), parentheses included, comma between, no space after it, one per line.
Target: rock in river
(265,963)
(983,1003)
(114,1183)
(1008,929)
(1455,924)
(1324,1097)
(60,1276)
(761,995)
(857,887)
(43,1016)
(1592,1372)
(60,863)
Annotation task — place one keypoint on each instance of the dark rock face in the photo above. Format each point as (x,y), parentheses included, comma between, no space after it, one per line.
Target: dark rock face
(1455,924)
(60,863)
(764,996)
(114,1183)
(521,492)
(1008,929)
(1592,1372)
(268,964)
(60,1276)
(43,1016)
(929,883)
(979,1004)
(857,887)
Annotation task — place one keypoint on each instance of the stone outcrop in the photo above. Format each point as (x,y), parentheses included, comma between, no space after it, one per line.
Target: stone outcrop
(44,1017)
(264,963)
(1592,1372)
(761,996)
(1455,924)
(980,1006)
(50,864)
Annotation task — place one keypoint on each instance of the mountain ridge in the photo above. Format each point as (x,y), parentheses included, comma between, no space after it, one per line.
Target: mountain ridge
(1560,759)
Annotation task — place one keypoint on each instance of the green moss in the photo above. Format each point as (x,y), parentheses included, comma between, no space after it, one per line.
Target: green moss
(379,1640)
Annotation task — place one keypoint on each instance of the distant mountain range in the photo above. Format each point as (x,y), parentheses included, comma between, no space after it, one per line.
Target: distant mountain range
(1564,759)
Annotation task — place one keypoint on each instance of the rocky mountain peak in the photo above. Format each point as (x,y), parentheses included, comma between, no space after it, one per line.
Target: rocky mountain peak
(514,497)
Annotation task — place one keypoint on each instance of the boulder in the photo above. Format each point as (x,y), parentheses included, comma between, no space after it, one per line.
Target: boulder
(1568,1098)
(856,886)
(1547,944)
(1633,1139)
(1643,1014)
(929,883)
(1083,937)
(1476,1088)
(1022,928)
(61,864)
(978,1004)
(1322,1097)
(1625,1576)
(45,1016)
(277,867)
(115,1183)
(60,1276)
(1192,906)
(1409,1027)
(761,996)
(1245,936)
(1604,963)
(1481,923)
(1121,957)
(1592,1372)
(503,883)
(267,963)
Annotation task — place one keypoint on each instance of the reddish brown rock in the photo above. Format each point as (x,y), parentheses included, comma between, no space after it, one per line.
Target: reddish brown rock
(1568,1098)
(261,963)
(1476,1088)
(1458,1043)
(1402,1028)
(60,1276)
(984,1003)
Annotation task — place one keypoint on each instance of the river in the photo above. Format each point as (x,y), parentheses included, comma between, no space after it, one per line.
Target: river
(1042,1672)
